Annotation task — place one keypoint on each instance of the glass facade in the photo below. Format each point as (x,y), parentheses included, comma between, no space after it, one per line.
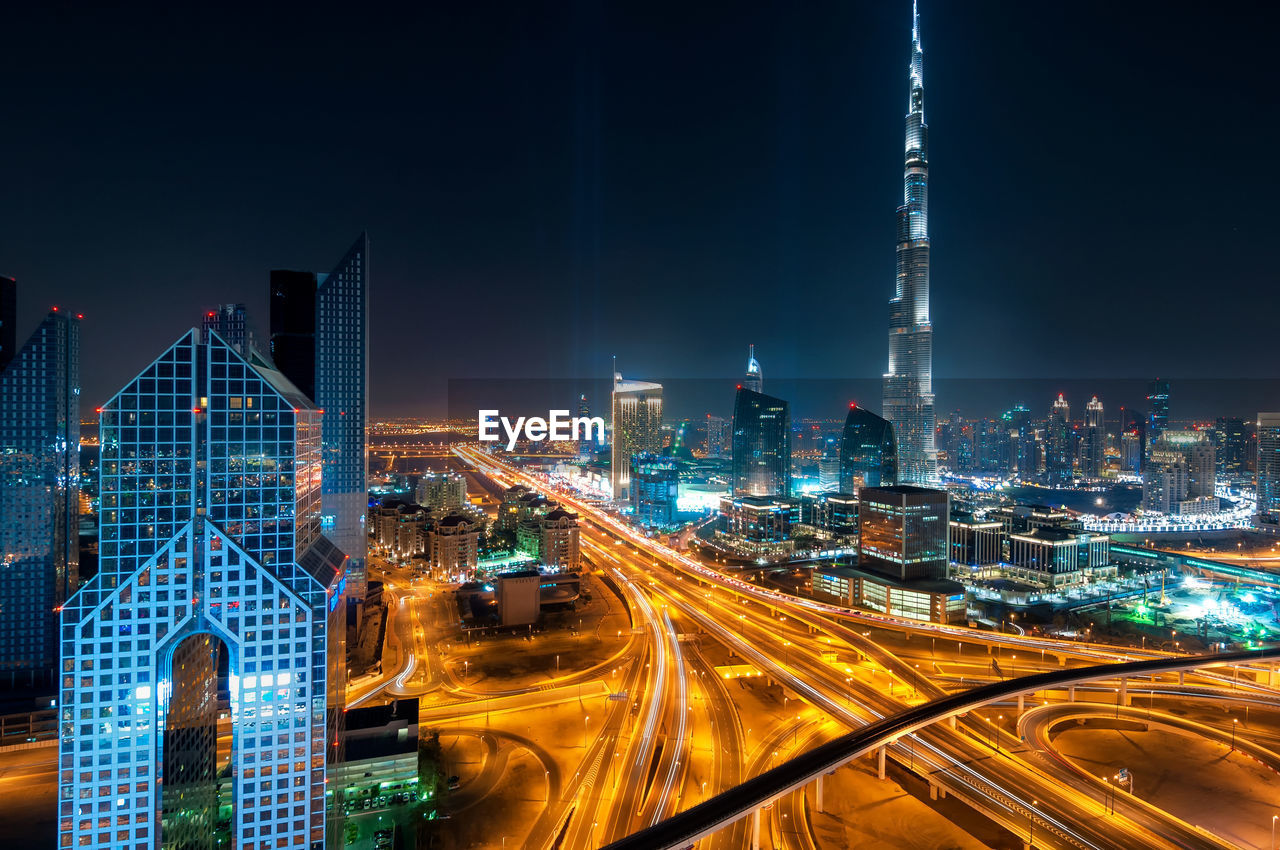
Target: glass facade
(39,495)
(636,428)
(868,451)
(210,533)
(908,384)
(342,378)
(903,531)
(1269,468)
(655,490)
(761,445)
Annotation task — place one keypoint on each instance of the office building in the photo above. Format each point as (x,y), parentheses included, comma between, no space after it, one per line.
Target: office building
(1054,556)
(1024,449)
(754,378)
(1269,471)
(1131,451)
(1180,476)
(908,384)
(719,432)
(868,451)
(39,496)
(210,535)
(381,763)
(8,320)
(231,322)
(830,515)
(902,531)
(320,341)
(1093,449)
(761,445)
(927,600)
(1231,443)
(975,542)
(1157,410)
(655,490)
(636,408)
(758,525)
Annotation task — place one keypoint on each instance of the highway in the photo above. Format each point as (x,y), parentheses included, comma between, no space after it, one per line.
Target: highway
(785,635)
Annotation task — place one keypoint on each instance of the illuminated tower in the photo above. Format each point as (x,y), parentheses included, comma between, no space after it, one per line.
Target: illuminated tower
(636,408)
(1058,454)
(1093,456)
(210,548)
(908,385)
(754,379)
(761,445)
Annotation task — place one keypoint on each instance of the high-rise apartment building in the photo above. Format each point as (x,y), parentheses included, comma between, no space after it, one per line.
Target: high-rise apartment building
(1180,475)
(718,434)
(442,492)
(761,445)
(908,384)
(1269,470)
(1131,450)
(210,542)
(39,497)
(320,341)
(1093,451)
(868,451)
(636,408)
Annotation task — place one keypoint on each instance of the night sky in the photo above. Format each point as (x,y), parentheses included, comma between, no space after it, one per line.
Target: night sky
(549,184)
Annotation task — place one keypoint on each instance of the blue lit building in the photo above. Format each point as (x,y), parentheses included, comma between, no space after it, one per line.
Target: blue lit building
(210,546)
(868,451)
(39,497)
(761,445)
(908,384)
(655,489)
(320,341)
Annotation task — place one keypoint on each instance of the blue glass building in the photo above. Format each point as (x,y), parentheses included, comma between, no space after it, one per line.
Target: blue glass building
(320,341)
(210,543)
(868,451)
(39,497)
(655,490)
(761,445)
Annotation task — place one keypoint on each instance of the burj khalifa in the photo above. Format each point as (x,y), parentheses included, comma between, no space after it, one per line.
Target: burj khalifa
(908,385)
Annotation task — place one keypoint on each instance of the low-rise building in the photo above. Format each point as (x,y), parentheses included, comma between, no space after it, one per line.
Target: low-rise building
(759,524)
(453,546)
(1059,557)
(552,539)
(928,600)
(380,763)
(976,542)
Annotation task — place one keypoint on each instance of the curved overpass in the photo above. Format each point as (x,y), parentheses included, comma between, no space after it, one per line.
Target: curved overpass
(687,827)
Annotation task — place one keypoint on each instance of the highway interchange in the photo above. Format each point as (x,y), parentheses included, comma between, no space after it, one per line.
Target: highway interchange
(664,730)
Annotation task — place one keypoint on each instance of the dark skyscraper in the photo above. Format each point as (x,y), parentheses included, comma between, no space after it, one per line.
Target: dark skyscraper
(320,341)
(908,385)
(761,445)
(868,451)
(210,542)
(8,319)
(1157,410)
(39,497)
(1093,449)
(1058,452)
(293,327)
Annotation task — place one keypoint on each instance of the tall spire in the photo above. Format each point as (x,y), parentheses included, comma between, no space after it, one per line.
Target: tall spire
(908,385)
(754,379)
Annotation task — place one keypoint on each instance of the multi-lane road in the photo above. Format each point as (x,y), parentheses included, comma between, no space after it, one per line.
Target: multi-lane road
(850,668)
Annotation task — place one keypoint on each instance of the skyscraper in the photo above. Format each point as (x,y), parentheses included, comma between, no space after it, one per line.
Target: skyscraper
(231,322)
(39,497)
(1269,470)
(320,341)
(8,319)
(1157,410)
(1058,454)
(754,378)
(1093,452)
(761,445)
(1231,441)
(636,409)
(210,542)
(868,451)
(908,385)
(1180,476)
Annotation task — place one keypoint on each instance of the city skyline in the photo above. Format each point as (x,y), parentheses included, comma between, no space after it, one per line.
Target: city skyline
(810,216)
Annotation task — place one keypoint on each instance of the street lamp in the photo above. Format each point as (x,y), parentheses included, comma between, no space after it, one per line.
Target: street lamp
(1031,825)
(1234,724)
